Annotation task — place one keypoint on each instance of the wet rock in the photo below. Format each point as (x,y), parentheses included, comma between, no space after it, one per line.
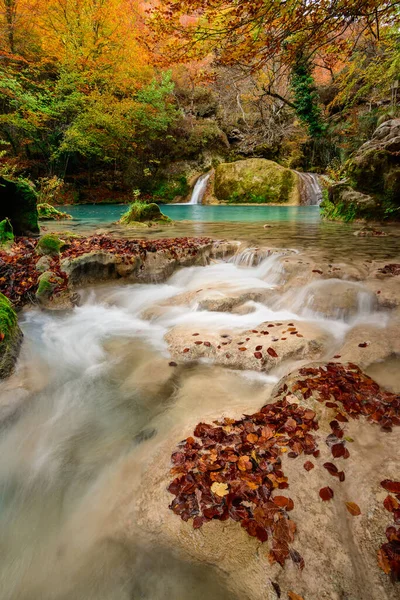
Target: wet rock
(339,550)
(96,267)
(366,344)
(43,264)
(47,283)
(261,349)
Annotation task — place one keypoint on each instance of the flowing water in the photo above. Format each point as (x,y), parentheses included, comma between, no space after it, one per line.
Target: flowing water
(90,396)
(199,189)
(93,398)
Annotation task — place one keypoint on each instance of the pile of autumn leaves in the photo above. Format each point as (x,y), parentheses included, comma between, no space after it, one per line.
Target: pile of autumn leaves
(233,470)
(19,277)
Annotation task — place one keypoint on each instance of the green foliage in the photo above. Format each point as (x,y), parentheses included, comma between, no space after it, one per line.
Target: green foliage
(306,97)
(49,189)
(8,318)
(338,212)
(6,232)
(168,189)
(49,244)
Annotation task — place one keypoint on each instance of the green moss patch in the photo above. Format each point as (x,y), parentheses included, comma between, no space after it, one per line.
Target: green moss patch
(6,232)
(49,244)
(8,319)
(47,212)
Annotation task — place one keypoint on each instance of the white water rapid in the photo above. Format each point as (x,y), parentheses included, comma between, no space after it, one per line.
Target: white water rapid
(92,401)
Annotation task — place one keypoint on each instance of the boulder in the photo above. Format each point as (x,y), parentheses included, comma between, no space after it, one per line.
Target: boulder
(47,212)
(10,337)
(256,180)
(47,283)
(141,212)
(376,166)
(261,349)
(345,203)
(18,204)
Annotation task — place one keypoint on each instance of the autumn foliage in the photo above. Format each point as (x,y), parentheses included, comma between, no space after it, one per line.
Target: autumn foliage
(233,469)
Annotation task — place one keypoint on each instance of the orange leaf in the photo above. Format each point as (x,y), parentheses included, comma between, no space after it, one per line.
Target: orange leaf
(293,596)
(383,561)
(353,509)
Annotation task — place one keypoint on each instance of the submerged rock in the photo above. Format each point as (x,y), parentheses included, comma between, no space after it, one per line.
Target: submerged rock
(10,337)
(256,180)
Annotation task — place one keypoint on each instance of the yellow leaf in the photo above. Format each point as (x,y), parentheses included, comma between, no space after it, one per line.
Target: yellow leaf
(220,489)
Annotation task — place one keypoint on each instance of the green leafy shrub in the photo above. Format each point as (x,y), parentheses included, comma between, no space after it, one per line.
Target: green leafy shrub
(8,318)
(168,190)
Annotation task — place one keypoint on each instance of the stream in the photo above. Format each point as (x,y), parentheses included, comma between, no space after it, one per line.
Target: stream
(94,398)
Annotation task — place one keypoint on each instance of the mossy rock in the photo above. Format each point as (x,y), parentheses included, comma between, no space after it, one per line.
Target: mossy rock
(6,232)
(47,212)
(343,203)
(18,203)
(47,283)
(10,337)
(49,245)
(141,212)
(256,180)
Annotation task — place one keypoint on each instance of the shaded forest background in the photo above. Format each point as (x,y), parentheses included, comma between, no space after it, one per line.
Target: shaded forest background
(102,97)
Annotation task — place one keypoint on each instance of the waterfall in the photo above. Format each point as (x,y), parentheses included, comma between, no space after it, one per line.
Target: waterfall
(199,189)
(310,189)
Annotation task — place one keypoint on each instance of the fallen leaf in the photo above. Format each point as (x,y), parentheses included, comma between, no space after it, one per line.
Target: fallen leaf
(272,352)
(326,493)
(353,509)
(308,465)
(391,486)
(390,503)
(221,489)
(293,596)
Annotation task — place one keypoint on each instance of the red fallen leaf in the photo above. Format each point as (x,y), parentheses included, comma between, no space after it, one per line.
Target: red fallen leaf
(258,348)
(338,450)
(390,503)
(391,486)
(308,465)
(283,339)
(281,501)
(254,331)
(331,468)
(353,509)
(363,345)
(185,350)
(195,334)
(198,343)
(326,493)
(341,476)
(242,349)
(346,453)
(270,325)
(331,405)
(173,364)
(392,533)
(396,516)
(207,344)
(252,438)
(341,418)
(317,271)
(228,355)
(258,355)
(337,356)
(316,453)
(272,352)
(198,522)
(309,414)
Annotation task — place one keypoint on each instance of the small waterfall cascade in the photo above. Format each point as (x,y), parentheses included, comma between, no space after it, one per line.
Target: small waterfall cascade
(310,189)
(199,189)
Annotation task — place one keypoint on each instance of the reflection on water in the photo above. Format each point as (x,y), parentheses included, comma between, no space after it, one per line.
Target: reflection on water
(286,226)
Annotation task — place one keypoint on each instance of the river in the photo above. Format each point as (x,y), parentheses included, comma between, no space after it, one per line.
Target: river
(94,399)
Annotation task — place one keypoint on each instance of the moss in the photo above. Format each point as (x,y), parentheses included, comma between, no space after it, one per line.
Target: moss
(338,212)
(48,281)
(8,318)
(141,212)
(6,232)
(49,213)
(49,244)
(255,180)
